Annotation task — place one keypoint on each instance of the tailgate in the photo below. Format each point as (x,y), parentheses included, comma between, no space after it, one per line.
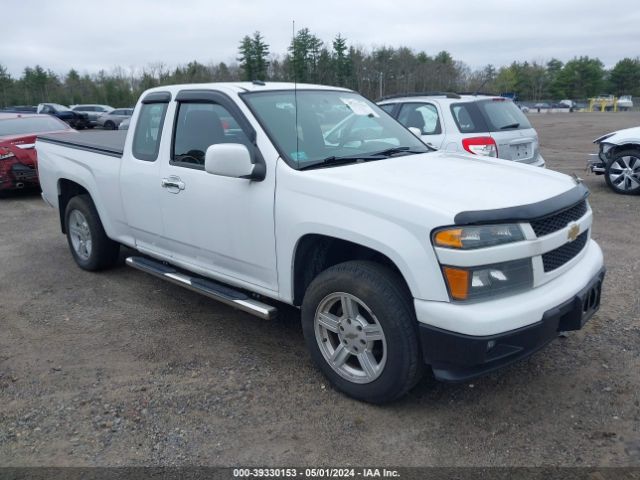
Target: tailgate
(517,145)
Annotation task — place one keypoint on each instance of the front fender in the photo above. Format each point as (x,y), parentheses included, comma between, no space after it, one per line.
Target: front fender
(410,250)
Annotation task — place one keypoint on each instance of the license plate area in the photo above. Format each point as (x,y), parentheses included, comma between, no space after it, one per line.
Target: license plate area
(521,151)
(23,172)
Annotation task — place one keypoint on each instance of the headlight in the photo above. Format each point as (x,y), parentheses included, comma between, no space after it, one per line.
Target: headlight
(467,238)
(478,283)
(605,148)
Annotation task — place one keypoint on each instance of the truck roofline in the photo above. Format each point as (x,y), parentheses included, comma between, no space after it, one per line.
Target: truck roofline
(244,87)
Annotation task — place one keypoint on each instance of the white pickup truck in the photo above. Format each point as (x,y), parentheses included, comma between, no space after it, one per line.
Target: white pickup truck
(398,256)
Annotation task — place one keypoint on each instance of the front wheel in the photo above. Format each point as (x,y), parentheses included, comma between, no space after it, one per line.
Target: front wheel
(109,125)
(360,327)
(622,172)
(90,247)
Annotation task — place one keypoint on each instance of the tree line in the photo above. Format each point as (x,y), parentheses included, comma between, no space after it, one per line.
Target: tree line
(373,72)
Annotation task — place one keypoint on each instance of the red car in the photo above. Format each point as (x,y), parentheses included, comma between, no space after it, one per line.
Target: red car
(18,161)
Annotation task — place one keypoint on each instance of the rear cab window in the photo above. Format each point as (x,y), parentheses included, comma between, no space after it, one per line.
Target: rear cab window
(148,133)
(490,115)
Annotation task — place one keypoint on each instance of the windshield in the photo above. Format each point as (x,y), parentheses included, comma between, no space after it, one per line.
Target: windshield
(28,125)
(329,124)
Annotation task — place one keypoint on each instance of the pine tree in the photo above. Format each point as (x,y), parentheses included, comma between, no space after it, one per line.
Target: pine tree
(260,55)
(341,61)
(253,57)
(246,58)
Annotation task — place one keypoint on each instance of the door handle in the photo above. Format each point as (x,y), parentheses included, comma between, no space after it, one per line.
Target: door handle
(173,184)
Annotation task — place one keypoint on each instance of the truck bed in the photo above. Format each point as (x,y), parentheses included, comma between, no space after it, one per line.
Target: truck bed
(104,142)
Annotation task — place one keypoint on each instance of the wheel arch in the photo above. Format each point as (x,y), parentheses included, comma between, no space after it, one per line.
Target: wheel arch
(315,252)
(67,189)
(626,145)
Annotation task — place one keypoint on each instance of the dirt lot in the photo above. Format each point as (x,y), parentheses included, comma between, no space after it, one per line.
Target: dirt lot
(119,368)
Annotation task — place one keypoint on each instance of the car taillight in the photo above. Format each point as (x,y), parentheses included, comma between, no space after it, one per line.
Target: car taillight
(481,146)
(5,153)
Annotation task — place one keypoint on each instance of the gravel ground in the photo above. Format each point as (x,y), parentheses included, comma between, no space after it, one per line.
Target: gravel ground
(119,368)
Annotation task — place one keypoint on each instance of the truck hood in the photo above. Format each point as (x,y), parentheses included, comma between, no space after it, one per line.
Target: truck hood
(621,136)
(441,182)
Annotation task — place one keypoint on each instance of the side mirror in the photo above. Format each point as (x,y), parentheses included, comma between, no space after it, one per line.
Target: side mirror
(416,131)
(231,160)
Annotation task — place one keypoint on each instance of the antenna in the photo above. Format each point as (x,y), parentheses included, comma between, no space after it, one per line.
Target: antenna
(295,88)
(479,89)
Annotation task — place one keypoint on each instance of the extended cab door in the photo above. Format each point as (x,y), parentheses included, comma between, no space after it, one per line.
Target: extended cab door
(140,174)
(220,225)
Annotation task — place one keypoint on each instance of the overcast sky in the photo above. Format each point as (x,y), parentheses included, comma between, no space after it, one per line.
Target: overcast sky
(100,34)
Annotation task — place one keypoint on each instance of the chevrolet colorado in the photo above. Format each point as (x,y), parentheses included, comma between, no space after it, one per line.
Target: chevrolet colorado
(399,257)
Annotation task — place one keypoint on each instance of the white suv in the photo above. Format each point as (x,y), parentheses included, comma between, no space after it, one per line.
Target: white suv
(478,124)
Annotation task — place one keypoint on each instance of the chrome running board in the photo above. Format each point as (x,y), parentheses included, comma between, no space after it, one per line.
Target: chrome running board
(204,286)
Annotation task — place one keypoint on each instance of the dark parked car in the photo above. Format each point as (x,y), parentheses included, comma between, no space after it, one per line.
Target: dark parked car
(77,120)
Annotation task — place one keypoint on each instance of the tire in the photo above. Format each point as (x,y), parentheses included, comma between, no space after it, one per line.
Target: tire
(622,172)
(109,125)
(90,247)
(381,310)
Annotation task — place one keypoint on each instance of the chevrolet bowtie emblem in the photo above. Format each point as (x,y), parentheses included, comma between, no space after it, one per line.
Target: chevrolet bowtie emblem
(573,232)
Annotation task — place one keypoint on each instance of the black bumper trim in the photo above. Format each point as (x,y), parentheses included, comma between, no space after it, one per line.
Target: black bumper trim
(456,357)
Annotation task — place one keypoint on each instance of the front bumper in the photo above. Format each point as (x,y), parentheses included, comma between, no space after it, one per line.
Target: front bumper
(78,122)
(595,164)
(456,357)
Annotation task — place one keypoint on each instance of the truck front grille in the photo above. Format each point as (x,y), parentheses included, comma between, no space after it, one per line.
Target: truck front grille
(561,255)
(559,220)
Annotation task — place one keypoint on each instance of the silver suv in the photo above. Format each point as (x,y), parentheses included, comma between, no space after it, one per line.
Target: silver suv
(478,124)
(114,118)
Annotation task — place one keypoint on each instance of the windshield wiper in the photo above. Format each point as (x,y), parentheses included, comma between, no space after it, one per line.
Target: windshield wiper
(333,160)
(361,157)
(392,151)
(511,125)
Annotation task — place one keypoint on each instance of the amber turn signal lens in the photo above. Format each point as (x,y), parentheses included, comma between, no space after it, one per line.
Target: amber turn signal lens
(458,282)
(449,238)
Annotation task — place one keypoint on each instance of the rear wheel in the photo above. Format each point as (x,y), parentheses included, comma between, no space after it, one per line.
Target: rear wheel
(90,247)
(622,172)
(109,125)
(360,327)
